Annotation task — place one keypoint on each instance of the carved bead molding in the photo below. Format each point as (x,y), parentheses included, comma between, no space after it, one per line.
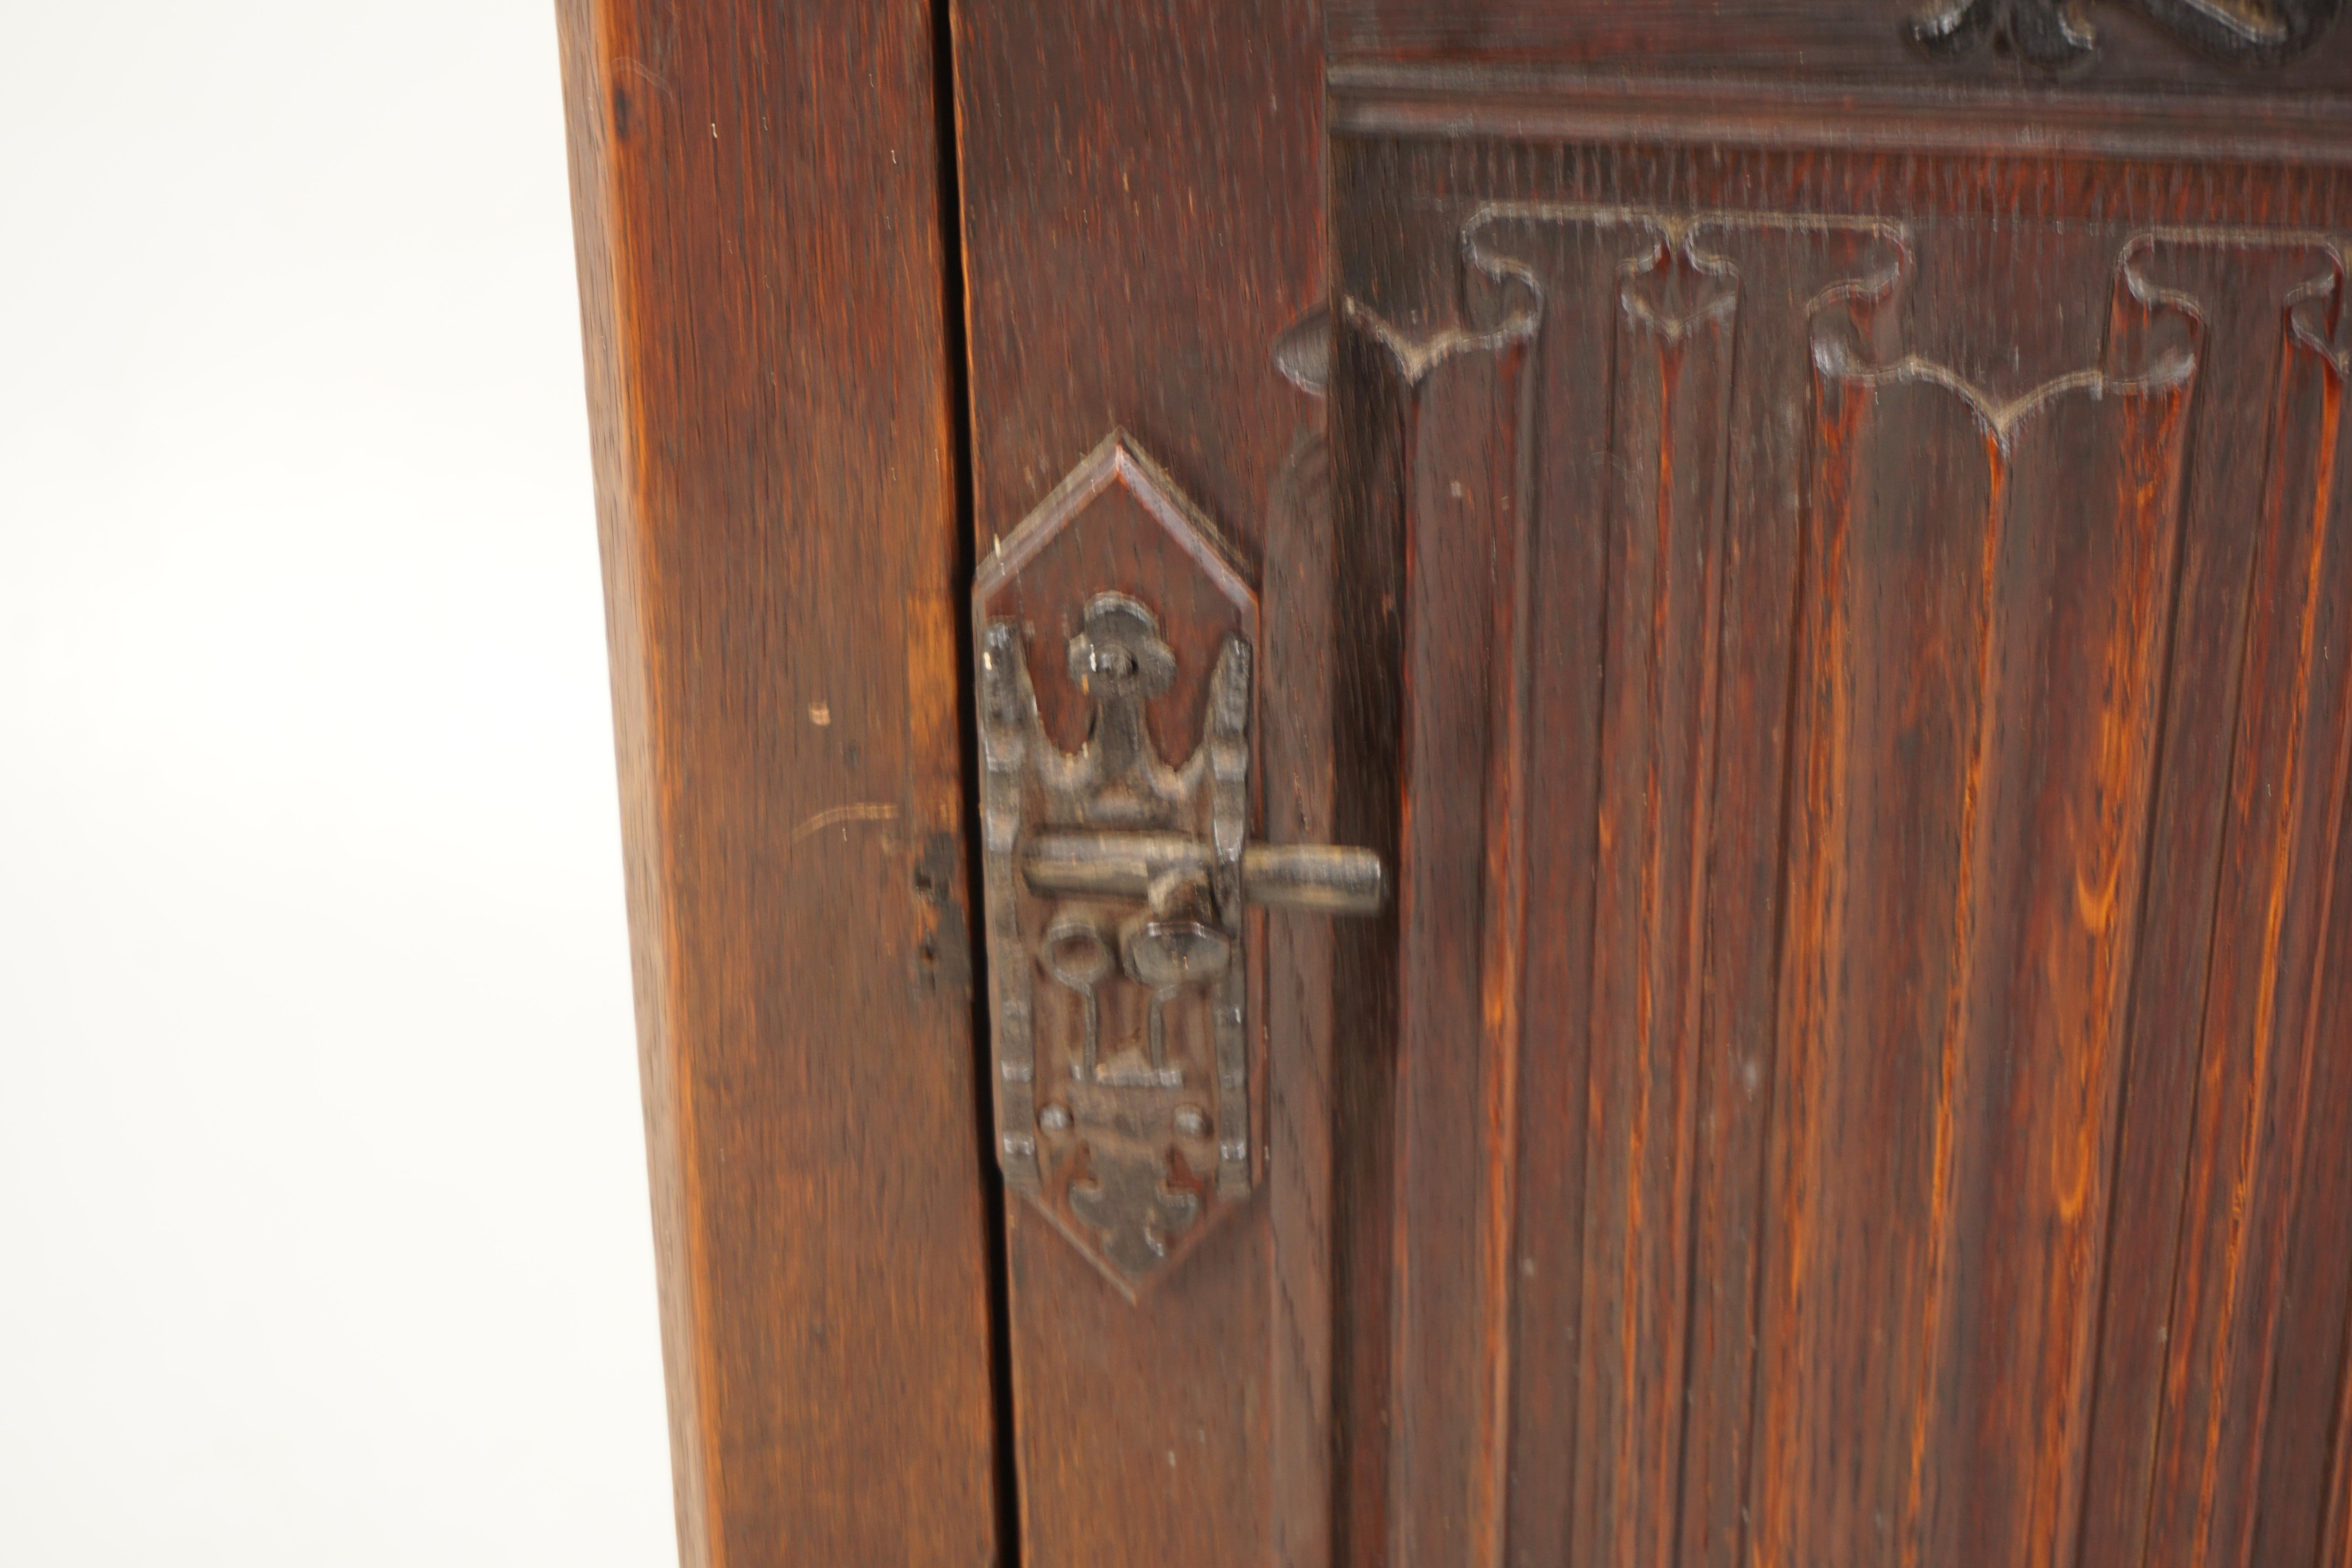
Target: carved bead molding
(2055,32)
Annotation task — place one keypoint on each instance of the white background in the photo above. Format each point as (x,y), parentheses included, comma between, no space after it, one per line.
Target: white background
(323,1231)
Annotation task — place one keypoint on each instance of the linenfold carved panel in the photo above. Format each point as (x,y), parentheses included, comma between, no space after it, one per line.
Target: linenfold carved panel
(1878,688)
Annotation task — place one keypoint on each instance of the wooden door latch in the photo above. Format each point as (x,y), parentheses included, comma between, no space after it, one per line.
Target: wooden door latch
(1118,887)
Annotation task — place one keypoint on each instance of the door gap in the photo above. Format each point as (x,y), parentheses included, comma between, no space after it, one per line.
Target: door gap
(963,555)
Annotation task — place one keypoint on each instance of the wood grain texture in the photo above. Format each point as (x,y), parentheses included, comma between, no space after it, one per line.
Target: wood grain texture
(757,203)
(1300,576)
(1141,219)
(1929,804)
(1461,908)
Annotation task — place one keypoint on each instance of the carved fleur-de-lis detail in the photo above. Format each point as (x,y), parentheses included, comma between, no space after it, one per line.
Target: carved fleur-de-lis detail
(1130,1203)
(2053,33)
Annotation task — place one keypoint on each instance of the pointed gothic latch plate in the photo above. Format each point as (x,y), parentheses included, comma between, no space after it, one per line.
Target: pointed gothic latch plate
(1116,631)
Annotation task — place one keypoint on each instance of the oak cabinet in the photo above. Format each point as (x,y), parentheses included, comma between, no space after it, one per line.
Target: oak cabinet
(1801,547)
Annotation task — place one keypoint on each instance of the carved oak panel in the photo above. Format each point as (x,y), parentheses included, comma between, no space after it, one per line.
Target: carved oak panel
(1875,644)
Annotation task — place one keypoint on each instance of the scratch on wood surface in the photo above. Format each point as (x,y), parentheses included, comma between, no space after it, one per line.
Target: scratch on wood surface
(833,816)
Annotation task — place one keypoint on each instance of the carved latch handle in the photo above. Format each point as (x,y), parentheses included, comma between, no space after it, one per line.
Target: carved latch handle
(1117,883)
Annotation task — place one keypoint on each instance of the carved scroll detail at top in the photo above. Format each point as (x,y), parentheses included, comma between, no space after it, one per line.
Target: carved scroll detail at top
(2056,33)
(2316,321)
(2152,340)
(2150,347)
(1672,280)
(1674,274)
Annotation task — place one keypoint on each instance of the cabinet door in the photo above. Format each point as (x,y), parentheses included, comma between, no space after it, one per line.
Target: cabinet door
(1810,539)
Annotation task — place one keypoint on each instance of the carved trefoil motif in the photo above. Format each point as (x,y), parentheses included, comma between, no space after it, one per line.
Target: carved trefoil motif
(1116,882)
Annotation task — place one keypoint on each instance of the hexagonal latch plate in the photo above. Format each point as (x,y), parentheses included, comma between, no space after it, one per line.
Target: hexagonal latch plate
(1122,957)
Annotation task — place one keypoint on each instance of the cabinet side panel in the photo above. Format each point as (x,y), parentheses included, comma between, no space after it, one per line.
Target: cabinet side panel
(758,213)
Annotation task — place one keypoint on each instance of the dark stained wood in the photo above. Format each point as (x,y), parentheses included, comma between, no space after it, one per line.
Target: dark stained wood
(1141,191)
(2304,1510)
(2259,1029)
(757,207)
(1460,910)
(1793,112)
(1142,216)
(1298,749)
(1906,1134)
